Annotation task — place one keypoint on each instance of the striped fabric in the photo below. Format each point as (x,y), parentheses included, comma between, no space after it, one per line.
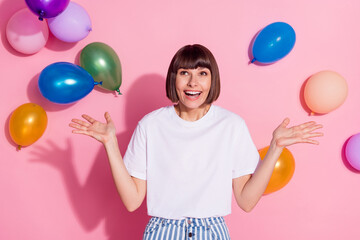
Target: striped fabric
(213,228)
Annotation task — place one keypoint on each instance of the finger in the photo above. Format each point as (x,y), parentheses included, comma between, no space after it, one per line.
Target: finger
(77,126)
(311,135)
(81,132)
(312,128)
(306,125)
(80,122)
(318,126)
(285,122)
(107,117)
(312,141)
(88,118)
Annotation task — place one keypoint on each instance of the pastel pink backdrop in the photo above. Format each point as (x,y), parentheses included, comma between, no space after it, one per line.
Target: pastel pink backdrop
(61,186)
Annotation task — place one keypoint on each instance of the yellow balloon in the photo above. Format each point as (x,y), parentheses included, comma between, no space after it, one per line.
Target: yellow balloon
(283,171)
(27,124)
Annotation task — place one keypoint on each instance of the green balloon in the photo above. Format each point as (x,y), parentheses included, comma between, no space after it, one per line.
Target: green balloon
(102,62)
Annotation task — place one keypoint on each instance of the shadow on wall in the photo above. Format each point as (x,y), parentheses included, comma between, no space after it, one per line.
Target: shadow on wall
(7,9)
(35,96)
(97,199)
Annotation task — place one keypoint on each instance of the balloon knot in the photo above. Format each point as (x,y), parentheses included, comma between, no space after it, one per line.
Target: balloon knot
(118,90)
(41,15)
(19,147)
(98,83)
(252,61)
(90,29)
(312,114)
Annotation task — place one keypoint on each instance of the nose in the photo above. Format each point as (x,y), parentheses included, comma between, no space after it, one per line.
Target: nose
(192,81)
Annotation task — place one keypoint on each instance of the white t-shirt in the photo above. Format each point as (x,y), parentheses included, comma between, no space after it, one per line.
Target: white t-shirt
(189,166)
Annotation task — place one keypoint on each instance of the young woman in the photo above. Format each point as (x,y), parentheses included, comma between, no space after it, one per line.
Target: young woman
(189,157)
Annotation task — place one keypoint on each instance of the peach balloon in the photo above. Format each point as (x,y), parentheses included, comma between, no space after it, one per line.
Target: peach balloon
(25,33)
(283,171)
(325,91)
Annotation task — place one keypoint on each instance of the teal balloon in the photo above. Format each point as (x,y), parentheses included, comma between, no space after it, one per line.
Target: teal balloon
(102,62)
(64,82)
(273,42)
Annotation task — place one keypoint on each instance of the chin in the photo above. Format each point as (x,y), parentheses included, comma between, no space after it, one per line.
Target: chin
(193,105)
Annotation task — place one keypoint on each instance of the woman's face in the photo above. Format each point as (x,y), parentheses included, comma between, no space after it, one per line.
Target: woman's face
(193,86)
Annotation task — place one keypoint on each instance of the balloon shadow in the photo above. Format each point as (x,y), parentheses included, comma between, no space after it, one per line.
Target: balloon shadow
(77,58)
(7,9)
(7,133)
(57,45)
(97,199)
(302,98)
(35,96)
(345,161)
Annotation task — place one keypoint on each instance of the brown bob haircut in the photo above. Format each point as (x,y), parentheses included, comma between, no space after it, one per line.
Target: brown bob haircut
(192,57)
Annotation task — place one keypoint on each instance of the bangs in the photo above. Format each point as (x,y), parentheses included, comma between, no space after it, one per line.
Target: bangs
(191,58)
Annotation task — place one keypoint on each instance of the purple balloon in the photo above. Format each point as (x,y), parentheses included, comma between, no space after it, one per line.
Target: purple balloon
(352,151)
(47,8)
(71,25)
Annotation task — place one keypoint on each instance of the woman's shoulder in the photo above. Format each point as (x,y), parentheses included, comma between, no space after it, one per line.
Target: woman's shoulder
(157,114)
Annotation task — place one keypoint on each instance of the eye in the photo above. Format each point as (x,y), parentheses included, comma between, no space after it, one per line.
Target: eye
(183,72)
(203,73)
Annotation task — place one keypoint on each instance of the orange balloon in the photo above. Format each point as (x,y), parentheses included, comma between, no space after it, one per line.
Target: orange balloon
(27,124)
(325,91)
(283,171)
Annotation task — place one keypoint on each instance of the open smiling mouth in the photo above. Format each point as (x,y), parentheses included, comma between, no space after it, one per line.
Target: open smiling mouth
(192,93)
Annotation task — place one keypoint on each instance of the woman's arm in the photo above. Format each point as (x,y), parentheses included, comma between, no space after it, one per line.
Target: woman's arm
(131,190)
(249,189)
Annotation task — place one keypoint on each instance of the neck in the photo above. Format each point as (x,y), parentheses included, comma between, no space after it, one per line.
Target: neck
(191,114)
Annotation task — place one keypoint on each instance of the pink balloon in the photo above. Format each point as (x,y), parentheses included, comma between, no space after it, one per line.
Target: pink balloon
(352,151)
(25,33)
(72,25)
(325,91)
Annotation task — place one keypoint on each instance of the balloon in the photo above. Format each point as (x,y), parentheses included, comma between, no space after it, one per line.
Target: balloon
(274,42)
(325,91)
(102,62)
(63,82)
(25,33)
(352,151)
(283,171)
(47,8)
(71,25)
(27,124)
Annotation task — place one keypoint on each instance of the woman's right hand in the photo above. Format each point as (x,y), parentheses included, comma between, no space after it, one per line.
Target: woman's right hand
(103,132)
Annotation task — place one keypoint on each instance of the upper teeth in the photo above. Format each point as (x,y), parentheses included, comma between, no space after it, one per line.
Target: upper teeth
(192,92)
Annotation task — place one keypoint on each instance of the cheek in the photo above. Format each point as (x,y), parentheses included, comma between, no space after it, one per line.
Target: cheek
(207,84)
(179,84)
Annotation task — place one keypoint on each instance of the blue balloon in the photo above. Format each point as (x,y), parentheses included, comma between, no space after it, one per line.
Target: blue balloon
(274,42)
(64,82)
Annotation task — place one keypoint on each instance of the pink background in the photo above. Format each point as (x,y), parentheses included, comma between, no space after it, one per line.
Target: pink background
(61,186)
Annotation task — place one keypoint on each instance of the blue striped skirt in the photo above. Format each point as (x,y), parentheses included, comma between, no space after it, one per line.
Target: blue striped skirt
(213,228)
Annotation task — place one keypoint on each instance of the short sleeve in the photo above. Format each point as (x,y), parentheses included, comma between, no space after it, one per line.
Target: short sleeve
(246,156)
(135,156)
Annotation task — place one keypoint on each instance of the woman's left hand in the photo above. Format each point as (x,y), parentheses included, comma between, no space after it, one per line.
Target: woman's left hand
(303,133)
